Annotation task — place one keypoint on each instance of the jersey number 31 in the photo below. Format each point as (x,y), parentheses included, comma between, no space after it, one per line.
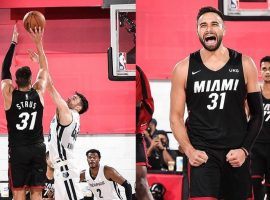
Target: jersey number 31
(25,119)
(215,97)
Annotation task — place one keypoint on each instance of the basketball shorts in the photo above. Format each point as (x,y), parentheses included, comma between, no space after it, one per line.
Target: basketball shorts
(260,162)
(141,157)
(27,166)
(217,179)
(66,181)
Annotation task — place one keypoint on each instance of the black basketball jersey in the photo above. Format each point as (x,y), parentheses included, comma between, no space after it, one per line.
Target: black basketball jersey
(215,102)
(24,119)
(264,135)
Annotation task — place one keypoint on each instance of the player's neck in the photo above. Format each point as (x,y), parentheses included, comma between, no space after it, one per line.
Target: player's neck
(24,89)
(219,52)
(94,171)
(266,89)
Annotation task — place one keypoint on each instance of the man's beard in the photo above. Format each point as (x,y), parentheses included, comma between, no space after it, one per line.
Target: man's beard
(212,48)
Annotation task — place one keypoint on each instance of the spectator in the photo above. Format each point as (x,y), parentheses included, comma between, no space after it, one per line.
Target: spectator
(158,152)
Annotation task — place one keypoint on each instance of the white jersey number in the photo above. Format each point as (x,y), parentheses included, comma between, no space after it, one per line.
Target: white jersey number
(214,100)
(266,116)
(25,120)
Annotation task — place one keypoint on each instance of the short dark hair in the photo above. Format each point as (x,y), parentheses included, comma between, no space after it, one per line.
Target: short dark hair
(84,103)
(93,151)
(23,76)
(208,9)
(153,121)
(265,59)
(162,132)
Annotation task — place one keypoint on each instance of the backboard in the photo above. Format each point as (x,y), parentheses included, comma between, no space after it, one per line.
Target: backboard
(121,61)
(245,10)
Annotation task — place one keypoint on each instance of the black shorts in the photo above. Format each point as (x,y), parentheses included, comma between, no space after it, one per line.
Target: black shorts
(260,161)
(141,157)
(218,179)
(27,166)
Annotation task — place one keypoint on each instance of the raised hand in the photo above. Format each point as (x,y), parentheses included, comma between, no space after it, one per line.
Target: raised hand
(37,34)
(15,35)
(33,56)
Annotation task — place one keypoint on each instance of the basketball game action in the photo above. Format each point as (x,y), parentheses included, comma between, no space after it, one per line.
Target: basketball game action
(135,100)
(48,124)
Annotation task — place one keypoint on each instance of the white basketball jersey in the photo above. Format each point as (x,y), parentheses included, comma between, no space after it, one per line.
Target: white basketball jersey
(102,188)
(62,138)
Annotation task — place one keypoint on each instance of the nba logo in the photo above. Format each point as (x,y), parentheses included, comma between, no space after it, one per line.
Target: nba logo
(234,4)
(122,61)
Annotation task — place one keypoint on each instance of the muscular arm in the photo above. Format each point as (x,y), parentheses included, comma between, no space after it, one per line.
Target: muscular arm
(236,157)
(254,101)
(112,174)
(177,109)
(63,112)
(6,78)
(42,76)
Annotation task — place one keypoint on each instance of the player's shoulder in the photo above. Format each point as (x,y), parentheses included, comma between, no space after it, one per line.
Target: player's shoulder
(109,171)
(248,63)
(182,63)
(181,68)
(246,59)
(108,168)
(7,87)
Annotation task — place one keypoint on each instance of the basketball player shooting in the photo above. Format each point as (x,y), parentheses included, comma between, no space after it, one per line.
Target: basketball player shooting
(64,129)
(24,113)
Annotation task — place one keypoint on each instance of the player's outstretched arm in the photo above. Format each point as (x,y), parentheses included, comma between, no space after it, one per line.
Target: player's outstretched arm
(6,78)
(112,174)
(63,112)
(42,76)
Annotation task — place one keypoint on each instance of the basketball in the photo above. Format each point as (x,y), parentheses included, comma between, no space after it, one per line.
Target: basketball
(33,19)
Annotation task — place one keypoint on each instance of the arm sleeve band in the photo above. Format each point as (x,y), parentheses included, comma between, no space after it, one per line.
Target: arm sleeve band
(7,63)
(128,190)
(256,119)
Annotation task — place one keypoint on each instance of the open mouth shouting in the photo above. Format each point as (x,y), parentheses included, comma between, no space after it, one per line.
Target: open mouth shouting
(210,40)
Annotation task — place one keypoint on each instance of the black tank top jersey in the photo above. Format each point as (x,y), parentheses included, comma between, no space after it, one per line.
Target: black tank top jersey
(215,102)
(264,136)
(24,119)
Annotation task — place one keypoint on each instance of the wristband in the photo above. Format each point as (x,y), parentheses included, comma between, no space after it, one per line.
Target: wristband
(245,151)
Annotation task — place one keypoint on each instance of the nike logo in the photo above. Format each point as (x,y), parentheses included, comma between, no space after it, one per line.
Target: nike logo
(195,72)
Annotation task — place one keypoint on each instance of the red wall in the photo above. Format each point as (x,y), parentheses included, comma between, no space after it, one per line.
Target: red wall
(48,3)
(76,51)
(166,33)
